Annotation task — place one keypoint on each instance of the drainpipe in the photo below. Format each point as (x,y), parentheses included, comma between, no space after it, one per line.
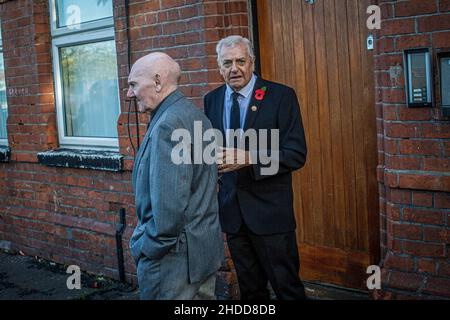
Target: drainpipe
(119,232)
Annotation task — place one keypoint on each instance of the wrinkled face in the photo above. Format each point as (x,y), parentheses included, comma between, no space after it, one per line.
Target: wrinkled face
(236,66)
(144,90)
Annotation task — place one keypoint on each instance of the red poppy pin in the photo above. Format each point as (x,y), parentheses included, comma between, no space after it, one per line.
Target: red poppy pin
(260,93)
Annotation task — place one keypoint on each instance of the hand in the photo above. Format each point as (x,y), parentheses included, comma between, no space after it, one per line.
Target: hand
(229,160)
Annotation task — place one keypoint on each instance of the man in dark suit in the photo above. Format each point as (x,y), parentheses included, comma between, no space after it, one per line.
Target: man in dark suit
(256,208)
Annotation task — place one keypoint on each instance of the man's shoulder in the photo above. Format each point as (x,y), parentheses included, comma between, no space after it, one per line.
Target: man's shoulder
(183,108)
(215,92)
(184,113)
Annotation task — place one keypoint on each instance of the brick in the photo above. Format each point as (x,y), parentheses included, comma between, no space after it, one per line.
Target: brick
(386,61)
(420,147)
(397,27)
(387,10)
(444,5)
(436,130)
(414,114)
(413,41)
(444,269)
(393,212)
(422,199)
(385,45)
(383,79)
(441,235)
(424,182)
(393,95)
(426,266)
(384,295)
(407,231)
(415,8)
(441,39)
(434,23)
(446,148)
(424,249)
(402,162)
(391,179)
(423,216)
(442,200)
(174,28)
(398,262)
(395,245)
(402,130)
(405,281)
(400,196)
(436,164)
(147,6)
(438,286)
(390,146)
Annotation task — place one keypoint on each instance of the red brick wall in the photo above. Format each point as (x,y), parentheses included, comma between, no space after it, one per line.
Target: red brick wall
(66,215)
(69,215)
(414,158)
(27,43)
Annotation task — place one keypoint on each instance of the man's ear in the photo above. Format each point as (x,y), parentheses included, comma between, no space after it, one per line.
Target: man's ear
(221,72)
(158,85)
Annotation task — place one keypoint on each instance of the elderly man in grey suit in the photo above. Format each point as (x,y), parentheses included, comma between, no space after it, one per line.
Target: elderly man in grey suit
(177,244)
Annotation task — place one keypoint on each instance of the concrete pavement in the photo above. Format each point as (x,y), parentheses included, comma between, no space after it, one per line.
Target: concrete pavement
(32,278)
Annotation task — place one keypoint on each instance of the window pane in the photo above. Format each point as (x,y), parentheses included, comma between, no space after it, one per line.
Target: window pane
(73,12)
(3,105)
(90,91)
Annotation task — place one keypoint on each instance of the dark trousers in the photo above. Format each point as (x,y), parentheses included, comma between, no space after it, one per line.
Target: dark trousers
(259,259)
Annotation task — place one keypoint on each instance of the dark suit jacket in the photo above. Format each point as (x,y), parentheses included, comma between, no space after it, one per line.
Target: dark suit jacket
(264,202)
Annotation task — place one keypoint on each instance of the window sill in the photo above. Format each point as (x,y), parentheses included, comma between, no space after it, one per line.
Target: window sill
(5,154)
(83,159)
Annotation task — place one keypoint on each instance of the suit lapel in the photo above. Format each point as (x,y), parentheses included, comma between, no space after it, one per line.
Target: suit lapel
(254,106)
(218,112)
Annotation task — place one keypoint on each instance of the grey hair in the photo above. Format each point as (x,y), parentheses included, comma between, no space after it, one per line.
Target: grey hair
(232,41)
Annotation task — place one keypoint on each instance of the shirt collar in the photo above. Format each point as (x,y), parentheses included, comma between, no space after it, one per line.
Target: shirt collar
(245,91)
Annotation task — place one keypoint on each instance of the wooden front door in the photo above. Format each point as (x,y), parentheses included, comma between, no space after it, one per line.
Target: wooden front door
(320,50)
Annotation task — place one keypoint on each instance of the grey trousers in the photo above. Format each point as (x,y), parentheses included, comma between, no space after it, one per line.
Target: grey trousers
(168,278)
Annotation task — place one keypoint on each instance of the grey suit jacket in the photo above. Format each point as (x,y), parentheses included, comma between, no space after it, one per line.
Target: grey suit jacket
(172,199)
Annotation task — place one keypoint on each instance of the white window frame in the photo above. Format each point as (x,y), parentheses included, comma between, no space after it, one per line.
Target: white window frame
(3,142)
(89,32)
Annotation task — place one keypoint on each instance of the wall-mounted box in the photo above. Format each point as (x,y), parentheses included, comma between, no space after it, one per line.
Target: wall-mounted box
(418,78)
(443,63)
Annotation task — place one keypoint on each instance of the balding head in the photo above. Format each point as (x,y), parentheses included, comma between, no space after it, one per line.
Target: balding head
(152,78)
